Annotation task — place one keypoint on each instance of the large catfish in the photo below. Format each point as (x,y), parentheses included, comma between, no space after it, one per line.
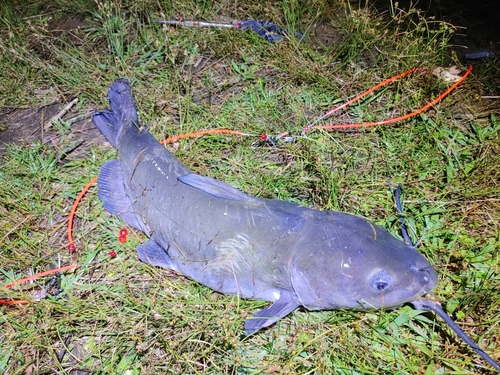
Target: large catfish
(241,245)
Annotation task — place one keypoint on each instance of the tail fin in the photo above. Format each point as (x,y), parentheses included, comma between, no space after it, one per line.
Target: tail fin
(122,113)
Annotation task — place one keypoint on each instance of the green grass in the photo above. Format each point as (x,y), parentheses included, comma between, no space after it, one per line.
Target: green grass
(125,317)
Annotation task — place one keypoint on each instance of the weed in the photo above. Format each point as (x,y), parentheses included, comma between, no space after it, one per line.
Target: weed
(117,315)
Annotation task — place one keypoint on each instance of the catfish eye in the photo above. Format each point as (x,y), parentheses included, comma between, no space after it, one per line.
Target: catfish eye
(382,281)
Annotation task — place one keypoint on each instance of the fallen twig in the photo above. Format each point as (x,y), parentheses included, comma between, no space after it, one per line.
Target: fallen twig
(59,115)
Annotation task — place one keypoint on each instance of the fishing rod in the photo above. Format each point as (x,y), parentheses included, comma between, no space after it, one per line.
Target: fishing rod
(273,33)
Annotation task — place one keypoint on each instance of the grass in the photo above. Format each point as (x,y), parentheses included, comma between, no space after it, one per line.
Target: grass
(119,316)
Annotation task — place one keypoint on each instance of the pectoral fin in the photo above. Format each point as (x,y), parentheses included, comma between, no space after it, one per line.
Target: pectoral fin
(213,187)
(305,292)
(265,317)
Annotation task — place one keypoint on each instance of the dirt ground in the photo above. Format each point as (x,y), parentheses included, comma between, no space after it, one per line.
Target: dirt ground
(31,124)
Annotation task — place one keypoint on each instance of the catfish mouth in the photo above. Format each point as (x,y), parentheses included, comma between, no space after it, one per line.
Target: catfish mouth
(428,279)
(419,282)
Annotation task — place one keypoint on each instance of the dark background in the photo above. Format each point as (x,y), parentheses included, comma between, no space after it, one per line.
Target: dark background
(478,21)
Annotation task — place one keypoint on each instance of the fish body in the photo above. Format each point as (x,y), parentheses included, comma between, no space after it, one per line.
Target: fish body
(241,245)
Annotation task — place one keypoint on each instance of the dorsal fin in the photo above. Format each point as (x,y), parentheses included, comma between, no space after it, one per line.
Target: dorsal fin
(213,187)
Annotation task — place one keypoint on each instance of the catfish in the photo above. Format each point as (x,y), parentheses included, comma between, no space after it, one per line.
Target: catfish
(237,244)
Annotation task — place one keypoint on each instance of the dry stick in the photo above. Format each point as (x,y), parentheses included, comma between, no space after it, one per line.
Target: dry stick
(62,352)
(59,115)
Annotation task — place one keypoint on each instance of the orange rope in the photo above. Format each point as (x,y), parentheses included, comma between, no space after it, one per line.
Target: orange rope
(26,279)
(356,98)
(400,118)
(12,302)
(41,274)
(55,270)
(200,133)
(73,209)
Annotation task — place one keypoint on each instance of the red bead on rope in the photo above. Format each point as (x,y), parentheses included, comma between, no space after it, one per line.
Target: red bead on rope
(122,238)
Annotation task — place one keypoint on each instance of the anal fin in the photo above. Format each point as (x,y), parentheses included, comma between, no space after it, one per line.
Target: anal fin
(265,317)
(152,253)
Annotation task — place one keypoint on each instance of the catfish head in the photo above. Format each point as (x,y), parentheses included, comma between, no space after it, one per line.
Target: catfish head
(351,263)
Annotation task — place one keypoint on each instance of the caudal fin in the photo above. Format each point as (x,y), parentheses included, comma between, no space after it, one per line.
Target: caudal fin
(122,112)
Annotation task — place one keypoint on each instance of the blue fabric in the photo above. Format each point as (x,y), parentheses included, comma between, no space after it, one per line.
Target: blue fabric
(268,30)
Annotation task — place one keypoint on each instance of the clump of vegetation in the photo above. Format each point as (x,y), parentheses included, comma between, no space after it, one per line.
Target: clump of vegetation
(117,315)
